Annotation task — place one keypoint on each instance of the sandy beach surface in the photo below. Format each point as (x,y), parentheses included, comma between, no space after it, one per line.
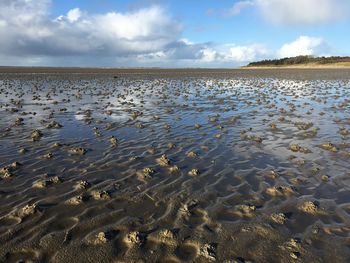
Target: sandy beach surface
(182,165)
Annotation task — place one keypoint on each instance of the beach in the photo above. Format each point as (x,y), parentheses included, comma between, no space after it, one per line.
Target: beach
(174,165)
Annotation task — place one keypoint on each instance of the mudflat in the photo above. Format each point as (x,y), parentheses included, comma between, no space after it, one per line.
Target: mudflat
(174,165)
(302,73)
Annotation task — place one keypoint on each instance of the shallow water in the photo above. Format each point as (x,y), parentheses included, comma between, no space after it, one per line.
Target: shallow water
(251,199)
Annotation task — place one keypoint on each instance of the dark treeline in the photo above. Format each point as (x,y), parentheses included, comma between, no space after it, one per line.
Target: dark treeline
(299,60)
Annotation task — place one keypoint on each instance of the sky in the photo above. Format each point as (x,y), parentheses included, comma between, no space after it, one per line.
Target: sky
(169,33)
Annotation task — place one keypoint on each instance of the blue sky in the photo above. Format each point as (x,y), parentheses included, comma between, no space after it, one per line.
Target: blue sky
(205,21)
(169,33)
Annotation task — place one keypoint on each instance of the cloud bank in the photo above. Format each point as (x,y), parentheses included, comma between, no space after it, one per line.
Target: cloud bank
(304,45)
(148,36)
(296,12)
(29,30)
(29,36)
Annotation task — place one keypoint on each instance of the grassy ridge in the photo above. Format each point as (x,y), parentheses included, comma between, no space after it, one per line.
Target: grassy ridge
(302,61)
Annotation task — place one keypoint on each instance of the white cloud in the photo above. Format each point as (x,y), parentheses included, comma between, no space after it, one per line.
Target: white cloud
(296,12)
(303,12)
(208,54)
(238,7)
(73,15)
(186,41)
(304,45)
(246,53)
(3,23)
(29,30)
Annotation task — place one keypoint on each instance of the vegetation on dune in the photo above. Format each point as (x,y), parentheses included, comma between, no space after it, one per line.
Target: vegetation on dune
(300,60)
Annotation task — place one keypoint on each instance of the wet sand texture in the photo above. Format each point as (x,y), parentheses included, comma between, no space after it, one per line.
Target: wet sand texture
(175,166)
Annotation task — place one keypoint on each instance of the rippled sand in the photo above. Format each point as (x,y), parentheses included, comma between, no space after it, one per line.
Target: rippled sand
(245,166)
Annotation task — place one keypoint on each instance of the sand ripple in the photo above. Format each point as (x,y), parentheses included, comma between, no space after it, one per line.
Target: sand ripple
(166,168)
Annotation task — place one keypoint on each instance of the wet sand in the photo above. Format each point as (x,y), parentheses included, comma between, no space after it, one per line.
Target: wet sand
(174,165)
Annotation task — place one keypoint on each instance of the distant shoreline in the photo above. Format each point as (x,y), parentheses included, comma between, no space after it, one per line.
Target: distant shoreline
(302,66)
(301,62)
